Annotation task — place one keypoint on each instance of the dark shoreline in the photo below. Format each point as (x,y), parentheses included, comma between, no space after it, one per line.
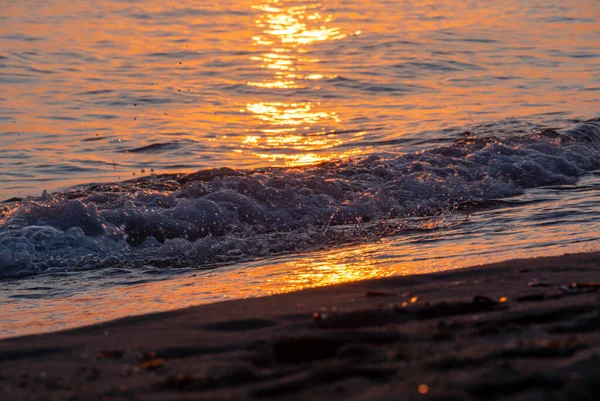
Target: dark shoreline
(515,330)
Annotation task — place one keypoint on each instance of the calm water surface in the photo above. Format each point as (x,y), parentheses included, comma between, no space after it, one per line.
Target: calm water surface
(429,118)
(104,90)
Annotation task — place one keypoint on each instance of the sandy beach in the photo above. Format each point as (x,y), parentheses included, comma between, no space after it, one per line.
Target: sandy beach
(517,330)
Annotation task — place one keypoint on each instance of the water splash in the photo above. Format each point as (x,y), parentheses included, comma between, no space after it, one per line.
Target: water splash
(218,216)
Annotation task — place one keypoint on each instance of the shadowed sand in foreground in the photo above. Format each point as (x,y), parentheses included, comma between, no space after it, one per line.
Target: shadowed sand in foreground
(517,330)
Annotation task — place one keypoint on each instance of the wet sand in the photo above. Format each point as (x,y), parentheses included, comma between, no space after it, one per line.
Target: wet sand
(517,330)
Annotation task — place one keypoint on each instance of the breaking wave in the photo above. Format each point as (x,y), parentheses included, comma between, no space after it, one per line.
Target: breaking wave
(217,216)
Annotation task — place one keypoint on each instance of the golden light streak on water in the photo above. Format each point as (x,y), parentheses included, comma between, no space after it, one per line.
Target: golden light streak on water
(294,114)
(306,158)
(288,30)
(349,264)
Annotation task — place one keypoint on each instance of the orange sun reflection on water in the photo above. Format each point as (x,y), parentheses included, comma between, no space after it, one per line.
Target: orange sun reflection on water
(293,132)
(350,264)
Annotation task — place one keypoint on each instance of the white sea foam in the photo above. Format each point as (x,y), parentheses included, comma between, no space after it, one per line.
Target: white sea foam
(222,215)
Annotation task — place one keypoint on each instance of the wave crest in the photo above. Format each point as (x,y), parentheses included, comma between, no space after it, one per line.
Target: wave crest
(217,216)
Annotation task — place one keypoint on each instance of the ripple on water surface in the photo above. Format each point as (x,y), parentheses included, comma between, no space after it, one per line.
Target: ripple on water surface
(256,83)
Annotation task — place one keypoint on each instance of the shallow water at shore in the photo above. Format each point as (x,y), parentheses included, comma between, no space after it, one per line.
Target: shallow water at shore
(541,222)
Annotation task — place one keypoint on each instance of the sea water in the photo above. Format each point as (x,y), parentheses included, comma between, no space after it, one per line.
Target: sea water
(155,154)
